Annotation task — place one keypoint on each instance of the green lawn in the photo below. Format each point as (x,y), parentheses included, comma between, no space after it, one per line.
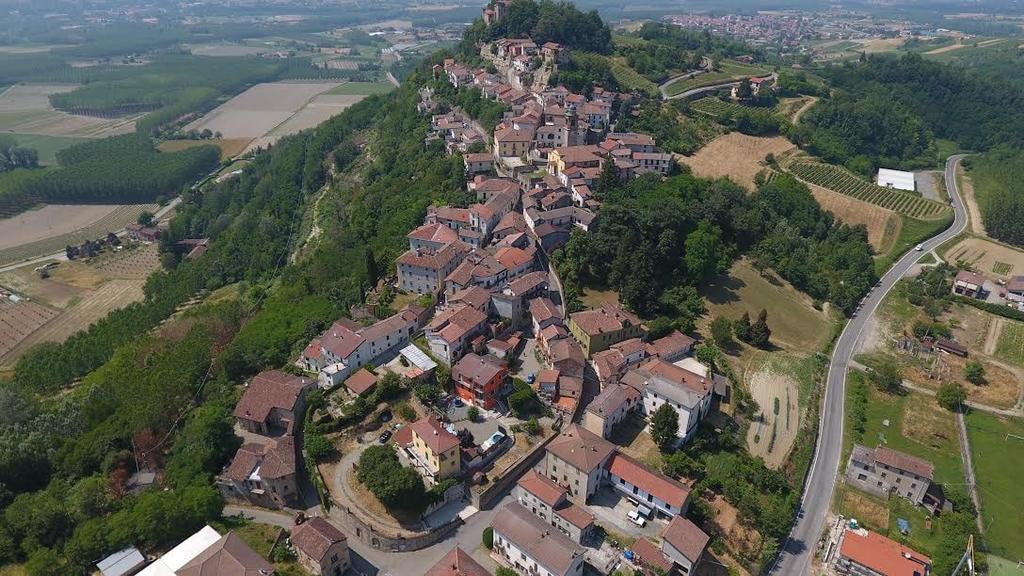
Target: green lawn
(997,447)
(1002,567)
(912,232)
(47,146)
(728,70)
(363,88)
(1010,347)
(916,426)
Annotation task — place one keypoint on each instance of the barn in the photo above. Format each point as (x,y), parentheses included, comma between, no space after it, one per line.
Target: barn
(896,179)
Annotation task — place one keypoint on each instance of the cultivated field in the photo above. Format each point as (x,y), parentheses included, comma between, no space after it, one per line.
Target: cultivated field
(217,49)
(1010,345)
(47,146)
(311,115)
(259,109)
(26,109)
(51,228)
(19,320)
(796,325)
(362,88)
(729,71)
(997,448)
(845,182)
(736,156)
(944,49)
(988,258)
(229,148)
(74,296)
(876,219)
(772,433)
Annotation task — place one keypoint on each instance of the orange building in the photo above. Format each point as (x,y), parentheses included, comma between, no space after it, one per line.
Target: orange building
(479,379)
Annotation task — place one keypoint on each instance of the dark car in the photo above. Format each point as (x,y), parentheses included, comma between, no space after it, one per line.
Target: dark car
(384,437)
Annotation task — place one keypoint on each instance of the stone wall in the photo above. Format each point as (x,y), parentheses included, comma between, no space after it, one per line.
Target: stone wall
(484,499)
(386,540)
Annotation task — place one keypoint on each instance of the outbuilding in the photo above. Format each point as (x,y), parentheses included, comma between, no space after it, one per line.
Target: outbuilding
(898,179)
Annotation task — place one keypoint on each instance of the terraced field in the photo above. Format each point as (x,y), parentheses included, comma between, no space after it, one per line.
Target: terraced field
(845,182)
(714,107)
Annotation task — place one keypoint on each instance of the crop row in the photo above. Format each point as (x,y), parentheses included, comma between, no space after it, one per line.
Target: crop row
(713,106)
(845,182)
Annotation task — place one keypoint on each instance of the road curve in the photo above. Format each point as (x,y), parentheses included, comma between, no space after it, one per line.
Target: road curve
(800,547)
(711,88)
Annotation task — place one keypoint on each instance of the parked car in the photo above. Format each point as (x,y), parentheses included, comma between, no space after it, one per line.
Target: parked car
(636,518)
(384,437)
(458,403)
(530,378)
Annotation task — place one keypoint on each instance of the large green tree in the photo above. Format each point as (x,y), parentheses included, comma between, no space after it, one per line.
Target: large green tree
(665,427)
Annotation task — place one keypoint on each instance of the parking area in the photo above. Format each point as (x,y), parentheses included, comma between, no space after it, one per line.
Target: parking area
(528,362)
(611,509)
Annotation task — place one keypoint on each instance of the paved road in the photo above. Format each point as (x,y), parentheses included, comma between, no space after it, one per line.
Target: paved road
(704,89)
(800,547)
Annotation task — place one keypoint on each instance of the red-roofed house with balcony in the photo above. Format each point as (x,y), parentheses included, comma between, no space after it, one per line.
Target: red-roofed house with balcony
(865,553)
(479,379)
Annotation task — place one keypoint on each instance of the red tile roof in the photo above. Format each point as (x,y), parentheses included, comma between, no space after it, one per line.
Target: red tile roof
(581,448)
(267,391)
(576,516)
(315,536)
(457,563)
(361,382)
(883,555)
(660,486)
(648,555)
(434,435)
(434,233)
(686,537)
(274,458)
(542,487)
(902,461)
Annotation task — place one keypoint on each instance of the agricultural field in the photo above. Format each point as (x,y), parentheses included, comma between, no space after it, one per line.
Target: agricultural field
(362,88)
(997,449)
(714,107)
(729,71)
(77,294)
(845,182)
(318,110)
(46,146)
(736,156)
(18,321)
(772,381)
(882,224)
(987,258)
(1010,345)
(229,147)
(52,227)
(26,109)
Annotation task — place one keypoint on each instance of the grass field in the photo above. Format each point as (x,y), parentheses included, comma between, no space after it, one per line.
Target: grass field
(728,71)
(998,465)
(362,88)
(47,146)
(908,233)
(796,325)
(1010,347)
(736,156)
(229,147)
(996,567)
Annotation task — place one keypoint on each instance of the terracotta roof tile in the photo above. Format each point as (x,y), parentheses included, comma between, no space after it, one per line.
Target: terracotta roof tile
(315,536)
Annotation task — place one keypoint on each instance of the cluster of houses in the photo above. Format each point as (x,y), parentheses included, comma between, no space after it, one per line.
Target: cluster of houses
(90,248)
(549,525)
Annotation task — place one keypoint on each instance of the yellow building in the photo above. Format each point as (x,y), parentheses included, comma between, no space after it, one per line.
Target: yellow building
(597,330)
(436,447)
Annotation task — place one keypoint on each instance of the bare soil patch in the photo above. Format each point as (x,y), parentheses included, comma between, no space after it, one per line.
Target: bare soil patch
(987,258)
(19,320)
(260,109)
(857,212)
(772,433)
(736,156)
(882,44)
(945,49)
(970,200)
(1000,390)
(865,510)
(742,540)
(311,115)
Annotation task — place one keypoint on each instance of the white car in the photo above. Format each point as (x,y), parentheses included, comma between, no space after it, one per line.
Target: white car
(636,518)
(919,248)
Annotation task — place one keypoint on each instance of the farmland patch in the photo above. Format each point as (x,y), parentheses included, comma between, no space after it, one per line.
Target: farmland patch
(26,109)
(854,212)
(989,258)
(736,156)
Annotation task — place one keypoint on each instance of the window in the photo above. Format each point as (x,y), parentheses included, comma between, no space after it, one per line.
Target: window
(650,498)
(862,476)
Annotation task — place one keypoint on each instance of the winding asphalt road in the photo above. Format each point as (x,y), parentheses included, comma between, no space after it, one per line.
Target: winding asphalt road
(800,547)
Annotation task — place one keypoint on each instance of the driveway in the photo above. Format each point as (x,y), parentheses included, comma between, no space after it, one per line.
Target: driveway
(610,507)
(528,363)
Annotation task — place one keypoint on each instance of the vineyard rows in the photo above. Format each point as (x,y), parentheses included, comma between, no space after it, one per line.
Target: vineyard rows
(713,106)
(845,182)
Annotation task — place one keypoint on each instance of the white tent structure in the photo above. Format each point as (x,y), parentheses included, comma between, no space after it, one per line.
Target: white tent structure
(896,179)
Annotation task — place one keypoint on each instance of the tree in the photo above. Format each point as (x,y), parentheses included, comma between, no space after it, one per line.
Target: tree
(974,372)
(721,331)
(466,439)
(951,396)
(145,218)
(502,571)
(741,327)
(744,91)
(488,538)
(532,426)
(886,376)
(428,393)
(760,334)
(473,413)
(318,447)
(708,354)
(665,427)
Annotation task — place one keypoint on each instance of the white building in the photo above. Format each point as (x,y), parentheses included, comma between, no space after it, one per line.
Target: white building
(896,179)
(654,492)
(688,393)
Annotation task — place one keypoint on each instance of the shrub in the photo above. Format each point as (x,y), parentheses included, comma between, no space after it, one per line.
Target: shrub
(318,447)
(473,413)
(488,538)
(532,426)
(406,412)
(950,396)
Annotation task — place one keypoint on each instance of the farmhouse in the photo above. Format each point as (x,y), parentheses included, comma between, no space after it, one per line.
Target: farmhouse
(688,393)
(897,179)
(527,544)
(610,407)
(865,552)
(262,474)
(882,471)
(684,543)
(322,549)
(651,490)
(970,284)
